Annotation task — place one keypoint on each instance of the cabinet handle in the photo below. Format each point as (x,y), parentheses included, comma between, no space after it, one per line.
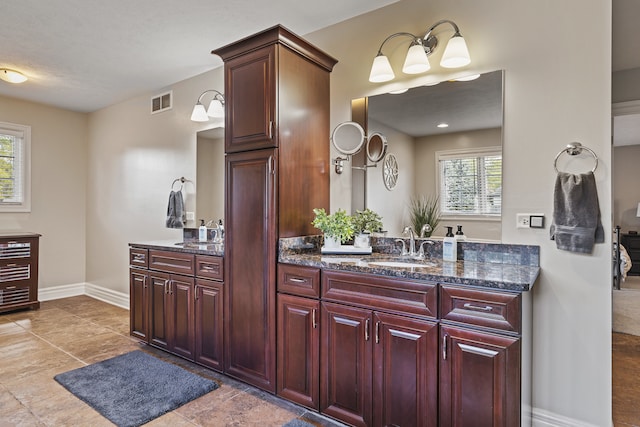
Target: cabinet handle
(11,265)
(313,318)
(477,307)
(366,330)
(144,282)
(296,280)
(270,129)
(444,346)
(195,293)
(378,332)
(204,267)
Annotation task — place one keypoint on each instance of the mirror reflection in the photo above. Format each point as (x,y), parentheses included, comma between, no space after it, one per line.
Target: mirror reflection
(210,175)
(413,124)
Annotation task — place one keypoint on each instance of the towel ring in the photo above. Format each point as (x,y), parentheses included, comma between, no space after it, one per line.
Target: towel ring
(574,149)
(181,180)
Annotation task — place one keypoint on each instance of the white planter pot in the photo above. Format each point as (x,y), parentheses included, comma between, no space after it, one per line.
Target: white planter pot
(362,240)
(331,242)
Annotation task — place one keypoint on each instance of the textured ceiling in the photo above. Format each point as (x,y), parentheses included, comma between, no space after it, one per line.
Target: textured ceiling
(84,55)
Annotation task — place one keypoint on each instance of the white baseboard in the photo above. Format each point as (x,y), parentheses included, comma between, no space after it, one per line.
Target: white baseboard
(98,292)
(543,418)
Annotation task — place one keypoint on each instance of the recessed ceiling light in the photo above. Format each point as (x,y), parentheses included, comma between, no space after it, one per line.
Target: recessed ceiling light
(443,125)
(12,76)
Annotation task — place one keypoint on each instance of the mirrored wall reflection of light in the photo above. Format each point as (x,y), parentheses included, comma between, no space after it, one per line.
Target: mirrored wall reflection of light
(466,78)
(399,91)
(443,125)
(12,76)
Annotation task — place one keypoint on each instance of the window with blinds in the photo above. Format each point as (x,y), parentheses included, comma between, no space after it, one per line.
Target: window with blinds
(15,143)
(470,182)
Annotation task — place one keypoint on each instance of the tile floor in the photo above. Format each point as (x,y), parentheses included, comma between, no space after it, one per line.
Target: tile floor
(73,332)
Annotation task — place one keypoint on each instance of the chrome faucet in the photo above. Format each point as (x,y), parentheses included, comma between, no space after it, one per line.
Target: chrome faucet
(412,240)
(426,228)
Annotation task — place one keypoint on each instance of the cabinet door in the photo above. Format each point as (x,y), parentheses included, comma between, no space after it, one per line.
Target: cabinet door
(138,304)
(209,327)
(345,368)
(298,350)
(182,337)
(158,309)
(250,268)
(479,379)
(405,360)
(250,101)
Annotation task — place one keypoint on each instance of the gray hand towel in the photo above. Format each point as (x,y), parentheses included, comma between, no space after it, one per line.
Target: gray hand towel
(576,224)
(175,210)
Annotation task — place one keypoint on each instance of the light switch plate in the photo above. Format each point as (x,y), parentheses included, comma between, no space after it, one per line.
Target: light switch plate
(536,221)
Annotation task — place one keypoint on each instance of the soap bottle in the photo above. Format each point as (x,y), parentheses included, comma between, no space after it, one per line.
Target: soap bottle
(202,232)
(460,237)
(449,246)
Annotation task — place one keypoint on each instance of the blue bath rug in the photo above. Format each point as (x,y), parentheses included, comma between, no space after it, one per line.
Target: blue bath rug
(134,388)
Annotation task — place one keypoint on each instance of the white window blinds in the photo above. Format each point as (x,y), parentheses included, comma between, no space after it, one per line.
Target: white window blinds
(14,167)
(470,182)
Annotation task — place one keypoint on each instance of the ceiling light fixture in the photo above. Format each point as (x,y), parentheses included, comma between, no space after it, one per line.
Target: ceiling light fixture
(12,76)
(455,54)
(215,110)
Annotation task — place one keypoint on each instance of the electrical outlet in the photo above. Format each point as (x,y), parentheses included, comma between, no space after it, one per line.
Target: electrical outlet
(522,220)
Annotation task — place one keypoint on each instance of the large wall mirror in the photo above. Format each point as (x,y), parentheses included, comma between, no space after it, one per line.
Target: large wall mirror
(473,111)
(209,175)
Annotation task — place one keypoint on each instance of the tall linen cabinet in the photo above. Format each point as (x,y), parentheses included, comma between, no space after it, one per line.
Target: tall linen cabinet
(276,172)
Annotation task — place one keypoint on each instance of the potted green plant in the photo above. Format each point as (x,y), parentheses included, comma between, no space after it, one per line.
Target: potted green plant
(424,210)
(337,228)
(365,223)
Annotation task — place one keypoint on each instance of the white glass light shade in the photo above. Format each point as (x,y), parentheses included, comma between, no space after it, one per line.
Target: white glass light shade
(456,53)
(381,70)
(12,76)
(199,114)
(416,61)
(638,211)
(215,109)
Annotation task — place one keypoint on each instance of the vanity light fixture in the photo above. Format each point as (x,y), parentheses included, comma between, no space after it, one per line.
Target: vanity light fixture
(215,110)
(12,76)
(455,55)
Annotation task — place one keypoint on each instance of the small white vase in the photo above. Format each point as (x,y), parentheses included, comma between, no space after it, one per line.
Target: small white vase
(331,242)
(362,240)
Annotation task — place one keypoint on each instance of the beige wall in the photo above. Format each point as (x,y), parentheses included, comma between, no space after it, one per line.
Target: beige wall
(58,188)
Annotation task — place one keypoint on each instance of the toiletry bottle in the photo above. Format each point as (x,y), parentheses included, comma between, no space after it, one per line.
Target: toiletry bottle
(449,246)
(221,230)
(202,232)
(460,237)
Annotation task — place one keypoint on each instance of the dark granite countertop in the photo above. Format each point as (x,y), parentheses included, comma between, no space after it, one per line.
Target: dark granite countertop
(502,267)
(191,247)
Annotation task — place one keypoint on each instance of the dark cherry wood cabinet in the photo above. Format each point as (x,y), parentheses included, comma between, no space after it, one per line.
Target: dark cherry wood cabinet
(250,265)
(19,253)
(209,321)
(138,302)
(479,378)
(277,171)
(176,303)
(299,350)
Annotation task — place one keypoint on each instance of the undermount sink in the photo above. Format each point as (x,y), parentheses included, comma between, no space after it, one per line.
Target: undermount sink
(401,264)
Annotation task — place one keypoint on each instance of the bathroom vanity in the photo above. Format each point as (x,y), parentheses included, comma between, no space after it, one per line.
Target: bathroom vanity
(373,343)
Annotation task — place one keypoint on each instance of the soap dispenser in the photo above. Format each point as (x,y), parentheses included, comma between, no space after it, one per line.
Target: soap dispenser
(449,246)
(460,234)
(202,232)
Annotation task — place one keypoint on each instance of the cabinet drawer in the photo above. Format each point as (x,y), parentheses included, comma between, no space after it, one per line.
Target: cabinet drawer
(296,280)
(379,292)
(15,270)
(13,294)
(497,310)
(172,262)
(210,267)
(631,242)
(139,257)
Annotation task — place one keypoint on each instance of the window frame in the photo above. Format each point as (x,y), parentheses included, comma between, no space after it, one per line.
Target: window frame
(25,166)
(461,154)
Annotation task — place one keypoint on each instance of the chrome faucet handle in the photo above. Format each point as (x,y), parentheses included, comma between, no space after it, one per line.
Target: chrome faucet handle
(404,247)
(421,252)
(426,228)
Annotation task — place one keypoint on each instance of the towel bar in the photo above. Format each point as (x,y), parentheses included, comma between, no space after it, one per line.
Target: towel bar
(574,149)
